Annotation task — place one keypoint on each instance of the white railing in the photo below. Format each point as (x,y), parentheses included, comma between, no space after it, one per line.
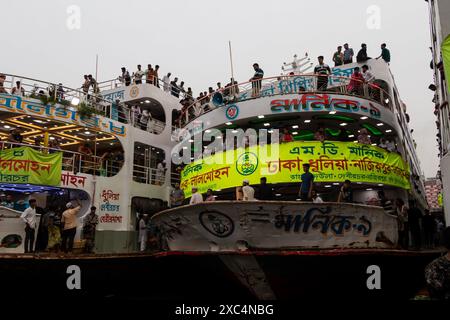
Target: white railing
(285,85)
(54,93)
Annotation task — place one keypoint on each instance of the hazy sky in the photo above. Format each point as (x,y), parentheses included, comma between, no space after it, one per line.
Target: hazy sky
(190,39)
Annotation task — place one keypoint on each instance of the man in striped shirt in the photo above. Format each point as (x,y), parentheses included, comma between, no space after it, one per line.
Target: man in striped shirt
(322,70)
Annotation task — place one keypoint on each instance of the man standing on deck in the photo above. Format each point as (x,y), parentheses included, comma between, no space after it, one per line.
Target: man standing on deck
(69,218)
(166,82)
(385,54)
(196,196)
(256,80)
(265,191)
(306,185)
(143,232)
(29,217)
(89,224)
(248,191)
(348,54)
(322,71)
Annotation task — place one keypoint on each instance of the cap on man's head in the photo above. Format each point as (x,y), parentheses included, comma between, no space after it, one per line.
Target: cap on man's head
(69,205)
(246,181)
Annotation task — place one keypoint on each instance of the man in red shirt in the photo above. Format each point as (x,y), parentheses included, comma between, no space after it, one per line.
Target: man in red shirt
(356,82)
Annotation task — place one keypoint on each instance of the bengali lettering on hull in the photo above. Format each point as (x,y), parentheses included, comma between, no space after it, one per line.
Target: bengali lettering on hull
(226,226)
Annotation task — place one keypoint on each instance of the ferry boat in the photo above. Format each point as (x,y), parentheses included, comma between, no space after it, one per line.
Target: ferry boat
(254,247)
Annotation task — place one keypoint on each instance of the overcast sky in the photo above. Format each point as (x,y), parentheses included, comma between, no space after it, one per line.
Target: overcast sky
(190,39)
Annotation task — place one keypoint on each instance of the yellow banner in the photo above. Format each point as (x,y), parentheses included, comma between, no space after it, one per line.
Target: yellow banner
(283,163)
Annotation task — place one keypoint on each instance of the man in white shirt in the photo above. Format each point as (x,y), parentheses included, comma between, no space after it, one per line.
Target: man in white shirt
(138,75)
(166,82)
(315,197)
(367,75)
(196,196)
(29,217)
(249,192)
(143,235)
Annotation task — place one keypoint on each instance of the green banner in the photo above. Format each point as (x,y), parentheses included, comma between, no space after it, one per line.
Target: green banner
(445,49)
(25,165)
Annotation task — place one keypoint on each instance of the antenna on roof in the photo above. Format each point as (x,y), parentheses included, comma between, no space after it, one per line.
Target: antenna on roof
(297,66)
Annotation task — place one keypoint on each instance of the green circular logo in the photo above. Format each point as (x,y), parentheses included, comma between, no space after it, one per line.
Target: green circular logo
(247,163)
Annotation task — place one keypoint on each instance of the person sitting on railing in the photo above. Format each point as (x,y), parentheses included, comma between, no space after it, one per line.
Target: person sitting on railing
(320,135)
(18,90)
(175,90)
(2,81)
(156,76)
(322,70)
(86,84)
(356,82)
(138,75)
(166,82)
(125,77)
(338,57)
(363,137)
(362,54)
(256,80)
(348,54)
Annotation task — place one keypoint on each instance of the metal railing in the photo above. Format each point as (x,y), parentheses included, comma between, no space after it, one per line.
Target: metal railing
(54,93)
(149,175)
(282,85)
(75,162)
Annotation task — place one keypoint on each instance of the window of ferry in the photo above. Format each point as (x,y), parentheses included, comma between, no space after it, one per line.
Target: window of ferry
(148,165)
(147,114)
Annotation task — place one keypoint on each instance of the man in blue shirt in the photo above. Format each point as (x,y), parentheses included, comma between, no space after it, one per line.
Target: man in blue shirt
(256,80)
(306,186)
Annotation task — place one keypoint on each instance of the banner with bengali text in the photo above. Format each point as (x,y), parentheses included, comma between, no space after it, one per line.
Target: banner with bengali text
(330,161)
(25,165)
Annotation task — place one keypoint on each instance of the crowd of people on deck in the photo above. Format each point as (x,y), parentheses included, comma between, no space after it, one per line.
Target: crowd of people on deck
(57,227)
